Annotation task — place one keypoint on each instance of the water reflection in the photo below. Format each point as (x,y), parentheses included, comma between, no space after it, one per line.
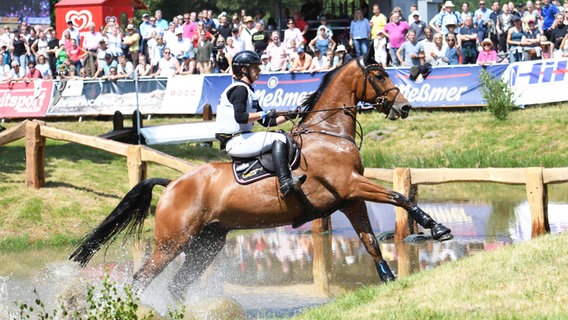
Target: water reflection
(280,271)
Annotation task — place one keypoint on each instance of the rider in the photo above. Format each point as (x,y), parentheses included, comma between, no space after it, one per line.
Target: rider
(236,114)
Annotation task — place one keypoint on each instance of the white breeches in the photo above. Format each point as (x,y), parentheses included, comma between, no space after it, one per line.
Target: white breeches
(252,144)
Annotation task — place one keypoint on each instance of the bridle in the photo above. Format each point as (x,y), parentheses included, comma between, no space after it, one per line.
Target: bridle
(382,103)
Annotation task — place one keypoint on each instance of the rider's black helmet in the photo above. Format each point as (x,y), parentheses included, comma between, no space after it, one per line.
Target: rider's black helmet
(244,58)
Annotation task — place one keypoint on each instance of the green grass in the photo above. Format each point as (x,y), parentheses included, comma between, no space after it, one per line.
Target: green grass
(522,281)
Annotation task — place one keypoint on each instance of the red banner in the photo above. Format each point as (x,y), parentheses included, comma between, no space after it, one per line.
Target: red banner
(23,100)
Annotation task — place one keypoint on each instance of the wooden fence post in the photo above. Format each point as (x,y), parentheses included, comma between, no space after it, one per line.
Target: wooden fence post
(35,156)
(321,225)
(537,195)
(136,167)
(401,183)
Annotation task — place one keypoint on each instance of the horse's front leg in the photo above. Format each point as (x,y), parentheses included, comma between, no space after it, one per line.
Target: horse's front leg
(364,189)
(357,215)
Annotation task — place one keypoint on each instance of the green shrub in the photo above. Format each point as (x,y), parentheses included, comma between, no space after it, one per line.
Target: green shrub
(498,95)
(107,303)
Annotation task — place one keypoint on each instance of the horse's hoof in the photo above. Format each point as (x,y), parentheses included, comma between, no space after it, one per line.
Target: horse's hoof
(385,272)
(441,233)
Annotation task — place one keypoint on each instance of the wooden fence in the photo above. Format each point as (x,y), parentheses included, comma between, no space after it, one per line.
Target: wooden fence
(404,180)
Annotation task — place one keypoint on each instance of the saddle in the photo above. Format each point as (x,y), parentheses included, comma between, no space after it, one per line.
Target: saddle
(249,170)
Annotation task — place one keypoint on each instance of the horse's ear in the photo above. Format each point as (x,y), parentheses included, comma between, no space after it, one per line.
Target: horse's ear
(370,57)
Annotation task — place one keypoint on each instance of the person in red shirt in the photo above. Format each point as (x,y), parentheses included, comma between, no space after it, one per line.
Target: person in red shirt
(301,24)
(32,73)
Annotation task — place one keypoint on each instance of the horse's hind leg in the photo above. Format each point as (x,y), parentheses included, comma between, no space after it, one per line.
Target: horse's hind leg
(199,255)
(359,218)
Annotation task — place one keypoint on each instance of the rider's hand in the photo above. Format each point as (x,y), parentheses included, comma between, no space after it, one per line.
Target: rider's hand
(272,114)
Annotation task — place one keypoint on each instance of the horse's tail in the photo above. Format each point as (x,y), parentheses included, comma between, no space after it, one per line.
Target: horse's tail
(129,214)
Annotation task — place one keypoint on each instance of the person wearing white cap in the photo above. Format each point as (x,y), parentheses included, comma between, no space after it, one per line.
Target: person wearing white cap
(264,63)
(449,16)
(132,40)
(417,25)
(180,46)
(341,57)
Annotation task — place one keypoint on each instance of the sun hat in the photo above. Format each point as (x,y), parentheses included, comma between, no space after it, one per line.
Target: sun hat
(448,4)
(340,48)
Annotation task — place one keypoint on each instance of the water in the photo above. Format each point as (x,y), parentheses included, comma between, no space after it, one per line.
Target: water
(279,272)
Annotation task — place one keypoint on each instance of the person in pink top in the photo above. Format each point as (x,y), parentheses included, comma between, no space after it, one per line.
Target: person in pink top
(189,26)
(395,31)
(487,56)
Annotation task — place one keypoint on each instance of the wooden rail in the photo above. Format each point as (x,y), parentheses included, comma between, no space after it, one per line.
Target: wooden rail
(404,180)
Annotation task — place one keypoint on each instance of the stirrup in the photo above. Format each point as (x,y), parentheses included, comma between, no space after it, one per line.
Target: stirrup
(292,184)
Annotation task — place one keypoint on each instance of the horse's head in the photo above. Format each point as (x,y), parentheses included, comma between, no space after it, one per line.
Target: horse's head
(378,88)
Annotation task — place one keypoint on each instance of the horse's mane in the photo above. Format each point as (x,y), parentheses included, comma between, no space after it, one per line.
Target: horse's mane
(313,98)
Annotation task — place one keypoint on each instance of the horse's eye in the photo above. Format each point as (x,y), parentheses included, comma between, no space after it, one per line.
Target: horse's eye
(380,77)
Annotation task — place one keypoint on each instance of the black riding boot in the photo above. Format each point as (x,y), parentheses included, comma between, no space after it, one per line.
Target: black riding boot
(280,158)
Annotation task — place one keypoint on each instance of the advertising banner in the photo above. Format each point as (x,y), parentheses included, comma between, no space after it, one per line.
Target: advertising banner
(183,95)
(103,97)
(25,99)
(530,79)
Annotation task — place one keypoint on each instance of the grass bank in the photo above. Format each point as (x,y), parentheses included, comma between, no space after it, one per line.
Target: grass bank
(522,281)
(84,185)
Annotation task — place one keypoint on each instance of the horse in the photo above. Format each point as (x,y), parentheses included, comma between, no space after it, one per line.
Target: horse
(196,211)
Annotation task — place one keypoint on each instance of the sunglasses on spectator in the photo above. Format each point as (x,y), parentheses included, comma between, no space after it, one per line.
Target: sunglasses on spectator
(167,52)
(487,45)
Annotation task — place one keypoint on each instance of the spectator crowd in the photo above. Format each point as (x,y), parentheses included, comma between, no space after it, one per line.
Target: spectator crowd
(201,43)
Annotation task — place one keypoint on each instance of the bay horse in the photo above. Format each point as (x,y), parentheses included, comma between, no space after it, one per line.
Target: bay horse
(197,210)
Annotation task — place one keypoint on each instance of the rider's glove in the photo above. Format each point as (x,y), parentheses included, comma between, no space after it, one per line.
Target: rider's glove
(272,114)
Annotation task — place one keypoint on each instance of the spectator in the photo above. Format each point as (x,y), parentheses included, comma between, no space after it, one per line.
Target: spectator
(16,73)
(449,16)
(546,47)
(39,47)
(342,57)
(101,53)
(359,33)
(43,67)
(104,67)
(302,25)
(112,74)
(319,61)
(410,52)
(380,46)
(156,53)
(20,49)
(31,37)
(260,39)
(143,69)
(514,38)
(480,17)
(559,30)
(197,36)
(224,27)
(238,43)
(276,53)
(437,56)
(321,41)
(170,35)
(124,69)
(75,54)
(189,26)
(538,7)
(132,40)
(264,64)
(302,62)
(467,41)
(110,25)
(465,12)
(203,54)
(562,51)
(91,42)
(292,34)
(433,23)
(292,53)
(418,26)
(504,22)
(235,22)
(114,42)
(161,23)
(73,32)
(52,46)
(396,33)
(207,21)
(6,37)
(32,73)
(378,21)
(413,7)
(188,64)
(492,24)
(179,47)
(549,12)
(167,66)
(487,56)
(328,31)
(452,52)
(531,42)
(330,54)
(246,32)
(222,62)
(258,17)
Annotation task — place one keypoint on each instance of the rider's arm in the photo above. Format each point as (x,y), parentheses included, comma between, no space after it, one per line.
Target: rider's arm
(238,97)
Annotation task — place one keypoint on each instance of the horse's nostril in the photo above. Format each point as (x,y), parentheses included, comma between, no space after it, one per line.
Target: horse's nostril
(404,111)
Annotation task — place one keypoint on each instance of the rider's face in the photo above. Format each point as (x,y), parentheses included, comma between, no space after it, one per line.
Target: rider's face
(254,72)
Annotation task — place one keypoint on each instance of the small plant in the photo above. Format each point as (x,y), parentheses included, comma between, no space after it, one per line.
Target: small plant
(108,303)
(498,95)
